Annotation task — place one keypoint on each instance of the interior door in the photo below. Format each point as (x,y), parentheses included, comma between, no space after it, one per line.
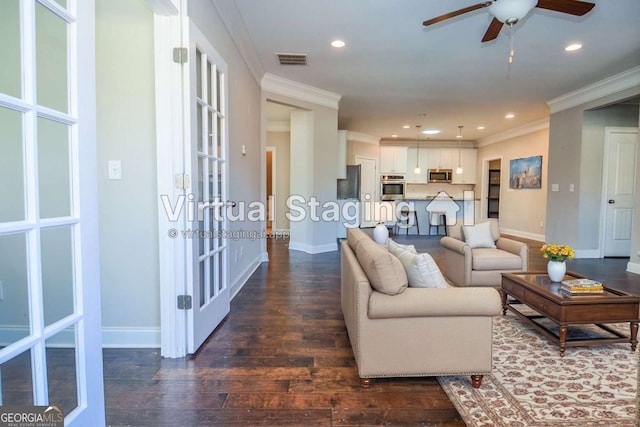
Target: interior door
(50,345)
(369,183)
(621,146)
(207,254)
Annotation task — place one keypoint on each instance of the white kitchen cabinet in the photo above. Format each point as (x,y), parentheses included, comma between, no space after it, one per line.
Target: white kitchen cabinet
(468,160)
(441,158)
(393,160)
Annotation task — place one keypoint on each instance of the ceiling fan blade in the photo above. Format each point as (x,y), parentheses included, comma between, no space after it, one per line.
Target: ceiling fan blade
(455,13)
(492,32)
(572,7)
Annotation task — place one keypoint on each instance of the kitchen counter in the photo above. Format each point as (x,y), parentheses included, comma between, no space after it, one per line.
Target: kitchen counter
(456,207)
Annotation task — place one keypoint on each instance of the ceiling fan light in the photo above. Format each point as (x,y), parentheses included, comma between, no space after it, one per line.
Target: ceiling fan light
(511,11)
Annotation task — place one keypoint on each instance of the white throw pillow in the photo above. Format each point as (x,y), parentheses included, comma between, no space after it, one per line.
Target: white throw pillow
(479,235)
(422,271)
(396,248)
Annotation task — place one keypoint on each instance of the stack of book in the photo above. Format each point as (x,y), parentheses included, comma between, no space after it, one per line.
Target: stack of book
(580,287)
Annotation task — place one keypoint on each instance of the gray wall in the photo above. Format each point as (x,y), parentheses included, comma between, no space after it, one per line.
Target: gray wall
(126,132)
(575,157)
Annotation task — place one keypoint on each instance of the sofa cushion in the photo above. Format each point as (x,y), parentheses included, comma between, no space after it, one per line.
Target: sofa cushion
(384,271)
(495,259)
(479,235)
(354,236)
(397,248)
(422,271)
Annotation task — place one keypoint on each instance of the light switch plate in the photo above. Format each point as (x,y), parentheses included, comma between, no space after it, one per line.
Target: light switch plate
(555,187)
(115,169)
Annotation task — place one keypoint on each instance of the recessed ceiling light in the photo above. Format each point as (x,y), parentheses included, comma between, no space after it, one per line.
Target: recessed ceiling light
(394,136)
(572,47)
(431,132)
(406,127)
(509,116)
(338,43)
(480,128)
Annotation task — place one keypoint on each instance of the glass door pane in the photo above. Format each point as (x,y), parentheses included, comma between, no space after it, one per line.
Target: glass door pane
(52,86)
(12,197)
(16,385)
(54,169)
(61,370)
(57,273)
(11,69)
(14,283)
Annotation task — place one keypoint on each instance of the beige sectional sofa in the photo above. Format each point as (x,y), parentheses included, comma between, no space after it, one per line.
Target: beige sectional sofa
(400,331)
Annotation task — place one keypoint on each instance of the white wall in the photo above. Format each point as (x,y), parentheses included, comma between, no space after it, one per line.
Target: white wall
(128,207)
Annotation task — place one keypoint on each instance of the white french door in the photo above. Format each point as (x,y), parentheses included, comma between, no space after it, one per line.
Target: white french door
(207,255)
(621,145)
(50,345)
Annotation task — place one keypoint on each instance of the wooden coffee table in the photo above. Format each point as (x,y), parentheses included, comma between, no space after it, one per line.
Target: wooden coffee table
(538,292)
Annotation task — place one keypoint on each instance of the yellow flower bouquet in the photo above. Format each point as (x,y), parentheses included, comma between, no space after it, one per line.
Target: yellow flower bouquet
(555,252)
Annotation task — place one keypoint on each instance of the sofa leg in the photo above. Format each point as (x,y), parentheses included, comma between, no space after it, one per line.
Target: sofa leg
(366,382)
(476,381)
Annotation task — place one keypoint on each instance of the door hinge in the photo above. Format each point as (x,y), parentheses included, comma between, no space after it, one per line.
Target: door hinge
(183,181)
(184,302)
(180,55)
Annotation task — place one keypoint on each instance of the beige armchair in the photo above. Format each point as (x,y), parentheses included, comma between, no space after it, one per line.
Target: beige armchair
(481,266)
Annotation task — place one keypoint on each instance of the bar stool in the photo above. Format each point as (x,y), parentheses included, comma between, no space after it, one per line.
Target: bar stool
(438,219)
(404,220)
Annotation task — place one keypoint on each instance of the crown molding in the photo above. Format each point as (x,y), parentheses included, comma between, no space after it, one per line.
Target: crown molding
(515,132)
(362,137)
(278,126)
(625,80)
(299,91)
(234,23)
(163,7)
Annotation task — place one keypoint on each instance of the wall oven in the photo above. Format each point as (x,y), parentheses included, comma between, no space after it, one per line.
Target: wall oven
(392,187)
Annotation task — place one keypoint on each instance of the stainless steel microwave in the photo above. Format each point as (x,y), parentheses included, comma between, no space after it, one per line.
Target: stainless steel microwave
(440,175)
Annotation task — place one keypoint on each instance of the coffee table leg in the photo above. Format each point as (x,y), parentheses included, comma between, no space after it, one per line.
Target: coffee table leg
(634,335)
(503,296)
(563,339)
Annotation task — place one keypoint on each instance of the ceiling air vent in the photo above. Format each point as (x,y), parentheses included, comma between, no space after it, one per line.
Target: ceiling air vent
(292,58)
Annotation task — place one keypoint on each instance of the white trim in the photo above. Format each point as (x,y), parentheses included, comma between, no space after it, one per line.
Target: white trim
(362,137)
(163,7)
(243,277)
(265,258)
(514,133)
(299,91)
(625,80)
(278,126)
(523,234)
(588,253)
(274,183)
(633,267)
(124,337)
(169,160)
(234,23)
(311,249)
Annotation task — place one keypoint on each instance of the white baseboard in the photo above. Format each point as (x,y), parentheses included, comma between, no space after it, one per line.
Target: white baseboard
(125,337)
(633,267)
(310,249)
(112,337)
(523,234)
(588,253)
(265,256)
(240,281)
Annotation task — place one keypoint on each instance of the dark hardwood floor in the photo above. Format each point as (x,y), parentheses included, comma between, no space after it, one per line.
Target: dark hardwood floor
(282,357)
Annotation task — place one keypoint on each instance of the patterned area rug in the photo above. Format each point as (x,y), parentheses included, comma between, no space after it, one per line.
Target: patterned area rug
(531,385)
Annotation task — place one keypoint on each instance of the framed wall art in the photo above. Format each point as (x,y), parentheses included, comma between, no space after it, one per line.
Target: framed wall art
(525,173)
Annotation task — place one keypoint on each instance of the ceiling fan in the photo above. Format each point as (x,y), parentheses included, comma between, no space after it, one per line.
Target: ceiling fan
(511,11)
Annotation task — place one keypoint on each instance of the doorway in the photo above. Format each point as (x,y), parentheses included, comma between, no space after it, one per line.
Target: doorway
(493,188)
(270,178)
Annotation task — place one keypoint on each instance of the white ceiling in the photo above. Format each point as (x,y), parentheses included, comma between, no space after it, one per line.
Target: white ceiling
(393,68)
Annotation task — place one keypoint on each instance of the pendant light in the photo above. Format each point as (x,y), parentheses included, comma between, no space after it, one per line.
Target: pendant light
(459,168)
(417,169)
